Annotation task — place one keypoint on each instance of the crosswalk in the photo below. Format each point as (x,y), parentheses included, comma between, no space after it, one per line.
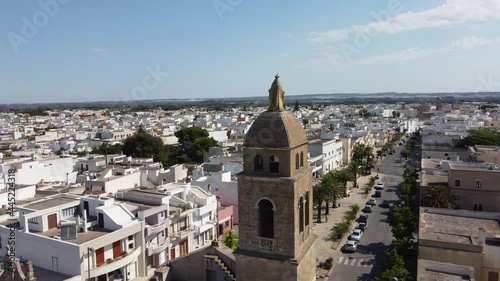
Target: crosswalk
(368,263)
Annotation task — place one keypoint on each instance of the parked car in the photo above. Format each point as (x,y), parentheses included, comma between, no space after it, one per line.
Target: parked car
(367,209)
(386,204)
(379,186)
(351,246)
(372,202)
(356,234)
(377,194)
(363,226)
(363,218)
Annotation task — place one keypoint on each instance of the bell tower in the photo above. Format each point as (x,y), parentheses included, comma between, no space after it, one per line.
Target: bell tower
(275,199)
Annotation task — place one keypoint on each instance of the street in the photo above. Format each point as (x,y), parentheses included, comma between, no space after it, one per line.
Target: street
(365,263)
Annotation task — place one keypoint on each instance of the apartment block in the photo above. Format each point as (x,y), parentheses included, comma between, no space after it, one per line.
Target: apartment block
(81,237)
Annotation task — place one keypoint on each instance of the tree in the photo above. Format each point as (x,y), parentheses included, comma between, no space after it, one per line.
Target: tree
(296,108)
(481,137)
(343,176)
(106,149)
(194,142)
(336,190)
(340,229)
(355,168)
(439,196)
(231,240)
(321,193)
(144,145)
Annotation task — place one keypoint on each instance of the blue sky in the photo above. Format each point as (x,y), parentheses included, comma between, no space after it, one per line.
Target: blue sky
(73,50)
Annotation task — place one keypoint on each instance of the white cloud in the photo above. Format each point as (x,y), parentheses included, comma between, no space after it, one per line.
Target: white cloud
(99,50)
(473,41)
(333,56)
(451,13)
(469,42)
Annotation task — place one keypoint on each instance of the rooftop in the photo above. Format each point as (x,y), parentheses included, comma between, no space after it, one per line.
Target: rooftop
(431,275)
(458,226)
(55,201)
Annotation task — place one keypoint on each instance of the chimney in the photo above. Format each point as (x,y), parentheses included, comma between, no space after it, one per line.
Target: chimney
(481,237)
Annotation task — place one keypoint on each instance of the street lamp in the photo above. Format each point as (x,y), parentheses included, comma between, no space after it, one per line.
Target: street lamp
(89,249)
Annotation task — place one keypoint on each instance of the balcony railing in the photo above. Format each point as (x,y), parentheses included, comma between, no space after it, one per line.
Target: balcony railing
(266,244)
(180,234)
(155,249)
(152,229)
(116,264)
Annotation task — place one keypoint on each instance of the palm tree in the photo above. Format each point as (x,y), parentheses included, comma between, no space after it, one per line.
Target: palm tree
(321,193)
(355,168)
(329,181)
(343,176)
(439,197)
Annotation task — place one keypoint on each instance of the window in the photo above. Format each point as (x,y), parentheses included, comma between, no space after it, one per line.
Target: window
(226,224)
(301,214)
(258,163)
(492,276)
(209,188)
(274,164)
(307,208)
(266,219)
(479,184)
(302,159)
(297,161)
(446,154)
(457,182)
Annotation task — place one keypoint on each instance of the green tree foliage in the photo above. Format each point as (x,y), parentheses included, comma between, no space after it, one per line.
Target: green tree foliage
(439,196)
(194,142)
(363,113)
(39,111)
(231,240)
(336,189)
(106,149)
(340,229)
(481,137)
(321,193)
(145,145)
(343,176)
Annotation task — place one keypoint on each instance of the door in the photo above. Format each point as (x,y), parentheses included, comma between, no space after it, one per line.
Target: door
(492,276)
(117,249)
(172,253)
(101,220)
(52,221)
(86,208)
(183,248)
(99,256)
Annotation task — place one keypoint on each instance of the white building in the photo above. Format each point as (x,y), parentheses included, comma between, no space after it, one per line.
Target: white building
(62,232)
(331,152)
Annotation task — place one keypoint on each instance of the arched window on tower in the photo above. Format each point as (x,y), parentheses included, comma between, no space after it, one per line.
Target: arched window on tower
(266,219)
(308,201)
(258,163)
(301,214)
(302,159)
(274,164)
(297,164)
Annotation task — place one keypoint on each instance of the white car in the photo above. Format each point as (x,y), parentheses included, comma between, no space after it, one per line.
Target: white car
(379,186)
(351,246)
(372,202)
(356,234)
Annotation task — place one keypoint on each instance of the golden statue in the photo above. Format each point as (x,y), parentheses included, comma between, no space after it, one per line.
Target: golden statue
(276,94)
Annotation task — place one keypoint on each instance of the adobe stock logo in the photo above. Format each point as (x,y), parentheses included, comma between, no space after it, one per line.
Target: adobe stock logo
(223,6)
(150,82)
(30,27)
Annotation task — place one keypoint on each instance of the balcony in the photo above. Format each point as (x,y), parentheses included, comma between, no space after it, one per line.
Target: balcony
(156,249)
(116,264)
(266,244)
(206,226)
(181,234)
(153,229)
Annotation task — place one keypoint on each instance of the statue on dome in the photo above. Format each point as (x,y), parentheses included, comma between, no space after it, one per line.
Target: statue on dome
(276,94)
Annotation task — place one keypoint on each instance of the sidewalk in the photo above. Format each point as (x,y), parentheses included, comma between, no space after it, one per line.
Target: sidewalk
(323,230)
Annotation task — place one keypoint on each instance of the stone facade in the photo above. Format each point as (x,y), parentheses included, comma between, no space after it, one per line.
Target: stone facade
(275,171)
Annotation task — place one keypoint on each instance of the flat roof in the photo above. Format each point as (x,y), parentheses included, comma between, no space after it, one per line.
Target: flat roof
(51,202)
(81,237)
(430,275)
(475,167)
(455,228)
